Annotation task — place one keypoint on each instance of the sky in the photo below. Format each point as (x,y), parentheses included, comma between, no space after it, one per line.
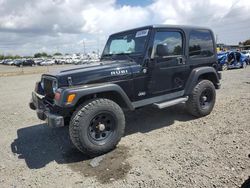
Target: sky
(70,26)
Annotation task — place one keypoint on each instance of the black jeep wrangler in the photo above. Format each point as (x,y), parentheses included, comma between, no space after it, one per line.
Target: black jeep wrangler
(155,65)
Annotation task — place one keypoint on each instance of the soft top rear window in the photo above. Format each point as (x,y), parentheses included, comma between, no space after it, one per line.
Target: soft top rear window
(201,44)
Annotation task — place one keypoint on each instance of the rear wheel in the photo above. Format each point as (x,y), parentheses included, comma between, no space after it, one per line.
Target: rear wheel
(202,99)
(97,126)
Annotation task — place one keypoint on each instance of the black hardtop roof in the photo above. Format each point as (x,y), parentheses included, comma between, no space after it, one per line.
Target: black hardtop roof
(183,27)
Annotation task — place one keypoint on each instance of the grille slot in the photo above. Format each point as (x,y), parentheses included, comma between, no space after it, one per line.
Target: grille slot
(48,87)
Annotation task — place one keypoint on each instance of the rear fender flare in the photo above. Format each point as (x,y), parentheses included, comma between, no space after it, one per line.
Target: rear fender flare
(197,73)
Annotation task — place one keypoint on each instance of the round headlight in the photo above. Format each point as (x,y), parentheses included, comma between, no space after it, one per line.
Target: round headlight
(54,86)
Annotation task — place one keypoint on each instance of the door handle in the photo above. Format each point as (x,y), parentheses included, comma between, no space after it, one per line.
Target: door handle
(180,61)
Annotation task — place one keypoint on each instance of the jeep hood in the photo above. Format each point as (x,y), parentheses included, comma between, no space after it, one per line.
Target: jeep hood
(103,71)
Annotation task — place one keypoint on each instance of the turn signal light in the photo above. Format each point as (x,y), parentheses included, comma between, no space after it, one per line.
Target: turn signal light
(71,97)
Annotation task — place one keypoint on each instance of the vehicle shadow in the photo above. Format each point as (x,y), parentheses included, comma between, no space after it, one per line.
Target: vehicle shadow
(149,118)
(39,145)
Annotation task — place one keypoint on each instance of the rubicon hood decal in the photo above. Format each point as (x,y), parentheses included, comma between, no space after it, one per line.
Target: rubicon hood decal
(119,72)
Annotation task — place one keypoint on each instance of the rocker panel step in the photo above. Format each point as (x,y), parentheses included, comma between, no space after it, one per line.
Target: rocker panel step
(170,103)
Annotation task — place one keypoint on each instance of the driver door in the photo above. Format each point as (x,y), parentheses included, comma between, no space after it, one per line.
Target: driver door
(169,70)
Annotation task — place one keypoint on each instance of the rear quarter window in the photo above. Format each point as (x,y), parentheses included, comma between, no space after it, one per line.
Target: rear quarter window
(200,44)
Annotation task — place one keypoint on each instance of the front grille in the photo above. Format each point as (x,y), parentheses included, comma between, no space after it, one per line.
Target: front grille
(48,87)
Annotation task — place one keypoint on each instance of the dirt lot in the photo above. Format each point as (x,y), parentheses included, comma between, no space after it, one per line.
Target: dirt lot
(166,148)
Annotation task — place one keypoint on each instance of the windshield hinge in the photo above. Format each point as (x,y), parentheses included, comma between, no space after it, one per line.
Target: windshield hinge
(70,81)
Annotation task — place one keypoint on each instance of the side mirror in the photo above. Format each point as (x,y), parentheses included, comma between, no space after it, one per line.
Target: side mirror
(162,50)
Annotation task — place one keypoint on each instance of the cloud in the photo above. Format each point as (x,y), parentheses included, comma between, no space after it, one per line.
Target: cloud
(112,19)
(28,26)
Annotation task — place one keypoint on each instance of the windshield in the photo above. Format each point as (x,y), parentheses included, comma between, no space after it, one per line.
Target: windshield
(132,42)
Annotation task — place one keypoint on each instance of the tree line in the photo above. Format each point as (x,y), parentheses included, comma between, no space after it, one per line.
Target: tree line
(9,57)
(245,43)
(36,55)
(43,54)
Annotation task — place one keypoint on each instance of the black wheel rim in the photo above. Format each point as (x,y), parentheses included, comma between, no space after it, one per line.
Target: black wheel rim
(206,98)
(102,128)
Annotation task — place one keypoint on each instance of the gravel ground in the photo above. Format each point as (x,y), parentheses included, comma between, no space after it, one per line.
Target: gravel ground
(161,148)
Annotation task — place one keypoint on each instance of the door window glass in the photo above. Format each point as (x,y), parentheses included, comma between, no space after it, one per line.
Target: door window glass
(172,40)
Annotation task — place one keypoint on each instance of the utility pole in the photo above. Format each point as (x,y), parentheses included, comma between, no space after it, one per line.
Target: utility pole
(84,50)
(98,46)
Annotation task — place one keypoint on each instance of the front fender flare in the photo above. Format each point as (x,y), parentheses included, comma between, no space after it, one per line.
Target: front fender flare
(85,90)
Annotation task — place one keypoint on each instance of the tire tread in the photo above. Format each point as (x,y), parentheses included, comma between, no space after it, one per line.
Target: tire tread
(192,106)
(83,111)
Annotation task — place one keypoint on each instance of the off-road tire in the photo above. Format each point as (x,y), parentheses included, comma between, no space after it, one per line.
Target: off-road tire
(81,121)
(224,67)
(193,104)
(244,65)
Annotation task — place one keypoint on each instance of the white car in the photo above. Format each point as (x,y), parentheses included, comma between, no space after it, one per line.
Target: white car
(11,62)
(246,52)
(47,62)
(38,61)
(69,61)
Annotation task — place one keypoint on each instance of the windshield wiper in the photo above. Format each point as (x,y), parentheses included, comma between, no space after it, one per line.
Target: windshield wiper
(126,55)
(109,56)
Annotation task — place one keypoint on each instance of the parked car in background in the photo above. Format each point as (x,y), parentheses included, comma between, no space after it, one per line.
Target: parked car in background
(59,62)
(247,53)
(68,61)
(222,59)
(38,61)
(7,61)
(26,62)
(18,62)
(231,60)
(11,62)
(47,62)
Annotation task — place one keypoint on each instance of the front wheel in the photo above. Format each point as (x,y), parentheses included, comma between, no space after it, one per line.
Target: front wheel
(224,67)
(97,126)
(202,99)
(244,65)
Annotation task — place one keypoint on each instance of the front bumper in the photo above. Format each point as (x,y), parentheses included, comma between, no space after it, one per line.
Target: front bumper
(43,111)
